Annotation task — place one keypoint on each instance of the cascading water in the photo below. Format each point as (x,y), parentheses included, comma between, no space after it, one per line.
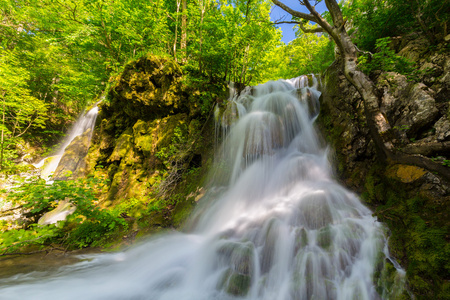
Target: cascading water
(85,122)
(281,229)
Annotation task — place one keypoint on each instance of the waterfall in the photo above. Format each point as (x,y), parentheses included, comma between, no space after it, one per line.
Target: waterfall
(280,227)
(84,123)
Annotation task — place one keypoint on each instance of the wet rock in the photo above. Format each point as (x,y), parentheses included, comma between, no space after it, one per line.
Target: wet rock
(270,239)
(301,239)
(73,160)
(239,256)
(315,211)
(238,284)
(324,237)
(229,113)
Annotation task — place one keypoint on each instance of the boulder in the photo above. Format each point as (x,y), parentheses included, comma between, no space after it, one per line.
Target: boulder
(442,127)
(149,87)
(60,213)
(410,108)
(315,211)
(73,160)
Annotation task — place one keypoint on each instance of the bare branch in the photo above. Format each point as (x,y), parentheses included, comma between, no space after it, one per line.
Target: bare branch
(311,30)
(285,22)
(295,13)
(318,18)
(364,52)
(302,27)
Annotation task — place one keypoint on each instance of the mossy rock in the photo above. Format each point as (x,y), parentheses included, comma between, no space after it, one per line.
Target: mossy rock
(123,144)
(301,238)
(143,135)
(165,130)
(418,224)
(391,283)
(315,211)
(129,181)
(182,211)
(324,237)
(238,284)
(405,173)
(148,88)
(234,283)
(73,162)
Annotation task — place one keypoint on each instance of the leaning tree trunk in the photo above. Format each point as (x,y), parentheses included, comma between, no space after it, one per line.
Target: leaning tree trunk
(379,126)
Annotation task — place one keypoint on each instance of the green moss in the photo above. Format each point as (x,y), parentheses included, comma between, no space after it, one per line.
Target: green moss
(143,135)
(418,227)
(238,284)
(324,237)
(182,211)
(123,145)
(391,284)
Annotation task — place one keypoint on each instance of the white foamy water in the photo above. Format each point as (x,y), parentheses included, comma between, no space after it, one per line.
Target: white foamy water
(85,122)
(281,229)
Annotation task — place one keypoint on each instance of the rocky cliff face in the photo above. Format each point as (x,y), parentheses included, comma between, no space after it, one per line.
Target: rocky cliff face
(151,132)
(413,201)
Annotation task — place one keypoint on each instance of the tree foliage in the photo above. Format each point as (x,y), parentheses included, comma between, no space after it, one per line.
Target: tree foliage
(20,111)
(375,19)
(88,225)
(306,54)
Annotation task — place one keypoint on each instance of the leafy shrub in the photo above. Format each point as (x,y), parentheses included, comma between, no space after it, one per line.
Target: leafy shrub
(375,19)
(88,225)
(385,59)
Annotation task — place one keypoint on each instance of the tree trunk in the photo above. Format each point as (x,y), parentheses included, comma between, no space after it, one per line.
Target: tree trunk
(379,126)
(378,123)
(202,7)
(176,31)
(183,30)
(3,131)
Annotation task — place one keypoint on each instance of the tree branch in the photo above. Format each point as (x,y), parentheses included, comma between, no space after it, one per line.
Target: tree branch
(8,211)
(303,28)
(295,13)
(364,52)
(285,22)
(318,18)
(311,30)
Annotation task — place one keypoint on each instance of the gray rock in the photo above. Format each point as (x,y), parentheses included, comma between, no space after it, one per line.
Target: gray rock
(442,127)
(419,110)
(414,49)
(315,211)
(394,86)
(73,160)
(60,213)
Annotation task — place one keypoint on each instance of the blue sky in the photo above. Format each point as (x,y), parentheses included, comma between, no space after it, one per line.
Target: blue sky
(278,13)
